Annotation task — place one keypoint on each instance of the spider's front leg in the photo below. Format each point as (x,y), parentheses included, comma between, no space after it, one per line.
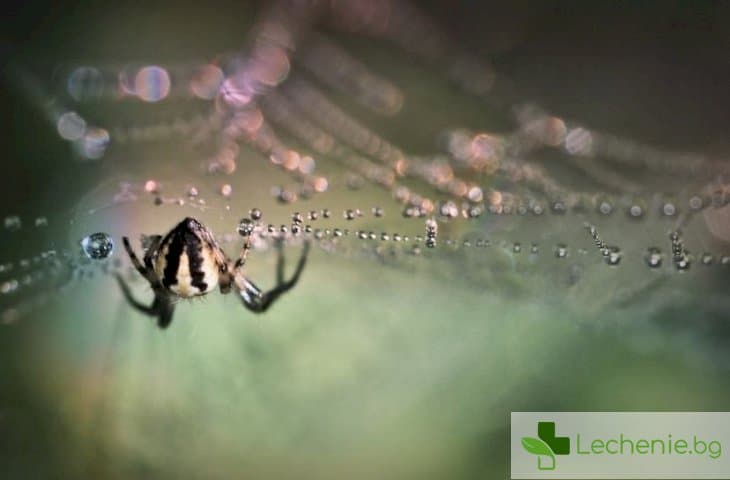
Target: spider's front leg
(162,307)
(256,300)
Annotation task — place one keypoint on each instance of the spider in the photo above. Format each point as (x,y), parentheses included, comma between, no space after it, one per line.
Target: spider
(187,262)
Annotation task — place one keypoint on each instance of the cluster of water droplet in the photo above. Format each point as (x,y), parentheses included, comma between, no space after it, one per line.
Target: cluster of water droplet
(680,255)
(611,254)
(432,229)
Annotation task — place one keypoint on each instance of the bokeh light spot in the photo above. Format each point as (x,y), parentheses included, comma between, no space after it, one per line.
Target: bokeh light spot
(152,83)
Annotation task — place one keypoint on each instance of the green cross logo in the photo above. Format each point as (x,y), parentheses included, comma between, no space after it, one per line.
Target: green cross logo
(546,445)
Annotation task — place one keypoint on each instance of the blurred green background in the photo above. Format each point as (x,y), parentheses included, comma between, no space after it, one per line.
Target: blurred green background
(406,368)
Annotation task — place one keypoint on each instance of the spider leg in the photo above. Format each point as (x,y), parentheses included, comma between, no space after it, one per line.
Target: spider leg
(149,310)
(280,261)
(162,307)
(241,261)
(259,302)
(165,308)
(152,250)
(133,257)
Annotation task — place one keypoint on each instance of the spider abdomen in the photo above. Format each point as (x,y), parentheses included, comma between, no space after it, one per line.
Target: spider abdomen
(188,262)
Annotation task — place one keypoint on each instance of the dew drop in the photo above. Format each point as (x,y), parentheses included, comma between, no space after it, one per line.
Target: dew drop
(636,211)
(411,212)
(682,263)
(255,214)
(245,227)
(653,257)
(97,246)
(558,207)
(71,126)
(151,186)
(449,209)
(226,190)
(669,210)
(614,256)
(13,223)
(605,207)
(284,196)
(696,203)
(9,286)
(85,83)
(474,212)
(432,228)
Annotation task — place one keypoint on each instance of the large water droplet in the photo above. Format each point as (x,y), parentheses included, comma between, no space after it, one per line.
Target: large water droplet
(97,246)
